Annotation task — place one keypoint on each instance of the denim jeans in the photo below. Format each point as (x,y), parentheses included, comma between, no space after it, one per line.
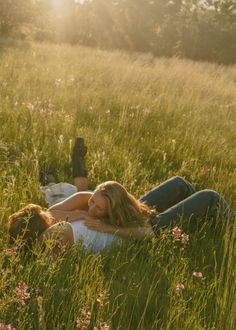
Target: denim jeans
(176,198)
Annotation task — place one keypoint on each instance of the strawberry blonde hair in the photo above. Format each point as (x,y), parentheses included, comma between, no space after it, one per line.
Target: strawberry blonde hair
(28,224)
(124,210)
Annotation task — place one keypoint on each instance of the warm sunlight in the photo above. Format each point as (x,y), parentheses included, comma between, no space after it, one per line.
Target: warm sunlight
(117,164)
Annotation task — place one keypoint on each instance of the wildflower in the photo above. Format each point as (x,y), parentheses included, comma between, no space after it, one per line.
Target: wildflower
(4,326)
(102,299)
(184,238)
(78,323)
(173,141)
(10,251)
(60,139)
(179,287)
(22,292)
(59,82)
(164,156)
(177,232)
(179,235)
(197,274)
(105,326)
(102,326)
(30,106)
(84,321)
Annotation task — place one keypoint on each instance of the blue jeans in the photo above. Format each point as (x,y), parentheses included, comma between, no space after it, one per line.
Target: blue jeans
(177,198)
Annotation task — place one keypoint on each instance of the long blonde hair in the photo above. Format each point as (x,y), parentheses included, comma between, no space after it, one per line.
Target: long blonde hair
(124,210)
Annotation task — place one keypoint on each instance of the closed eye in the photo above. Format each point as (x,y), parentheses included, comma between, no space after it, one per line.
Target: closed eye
(97,206)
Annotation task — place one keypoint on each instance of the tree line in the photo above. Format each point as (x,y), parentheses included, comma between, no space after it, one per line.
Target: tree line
(196,29)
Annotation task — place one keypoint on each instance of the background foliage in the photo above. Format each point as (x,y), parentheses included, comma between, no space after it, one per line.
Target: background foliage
(196,29)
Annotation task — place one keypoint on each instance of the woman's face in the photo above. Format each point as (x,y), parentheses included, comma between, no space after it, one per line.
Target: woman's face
(98,206)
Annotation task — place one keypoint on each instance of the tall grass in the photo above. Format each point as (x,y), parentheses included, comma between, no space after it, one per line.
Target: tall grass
(144,120)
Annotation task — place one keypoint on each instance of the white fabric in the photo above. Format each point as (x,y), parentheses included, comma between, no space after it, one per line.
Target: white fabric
(92,240)
(58,192)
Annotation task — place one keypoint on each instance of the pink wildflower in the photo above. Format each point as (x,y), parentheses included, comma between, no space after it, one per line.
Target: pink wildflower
(105,326)
(10,251)
(179,287)
(22,292)
(84,320)
(102,299)
(78,324)
(197,274)
(4,326)
(102,326)
(176,232)
(179,235)
(184,238)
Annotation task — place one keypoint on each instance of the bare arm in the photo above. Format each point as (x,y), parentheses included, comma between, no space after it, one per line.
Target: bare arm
(136,232)
(78,201)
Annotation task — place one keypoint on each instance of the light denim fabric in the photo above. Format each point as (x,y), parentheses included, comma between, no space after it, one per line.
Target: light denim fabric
(57,192)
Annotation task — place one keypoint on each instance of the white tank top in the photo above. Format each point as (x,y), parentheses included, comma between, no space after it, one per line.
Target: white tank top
(92,240)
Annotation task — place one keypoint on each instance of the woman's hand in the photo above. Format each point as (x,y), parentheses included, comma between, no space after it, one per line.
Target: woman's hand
(98,225)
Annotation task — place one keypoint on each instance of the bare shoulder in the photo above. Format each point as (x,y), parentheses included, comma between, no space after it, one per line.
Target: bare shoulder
(77,201)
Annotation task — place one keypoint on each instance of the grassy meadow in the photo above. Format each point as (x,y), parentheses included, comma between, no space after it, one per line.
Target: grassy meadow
(144,120)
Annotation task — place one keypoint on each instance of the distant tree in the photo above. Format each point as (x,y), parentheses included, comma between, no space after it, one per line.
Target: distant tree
(14,15)
(197,29)
(216,29)
(44,28)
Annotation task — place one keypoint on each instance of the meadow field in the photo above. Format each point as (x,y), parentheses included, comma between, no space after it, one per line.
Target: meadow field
(144,120)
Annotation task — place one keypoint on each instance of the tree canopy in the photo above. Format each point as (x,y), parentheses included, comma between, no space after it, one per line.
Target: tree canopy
(196,29)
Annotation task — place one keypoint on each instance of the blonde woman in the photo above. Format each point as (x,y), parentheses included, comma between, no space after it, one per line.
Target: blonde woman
(112,209)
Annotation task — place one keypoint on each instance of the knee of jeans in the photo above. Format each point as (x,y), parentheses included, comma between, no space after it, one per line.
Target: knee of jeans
(179,180)
(184,184)
(211,194)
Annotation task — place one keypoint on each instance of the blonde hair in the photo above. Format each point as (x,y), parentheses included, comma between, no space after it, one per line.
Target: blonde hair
(28,224)
(124,210)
